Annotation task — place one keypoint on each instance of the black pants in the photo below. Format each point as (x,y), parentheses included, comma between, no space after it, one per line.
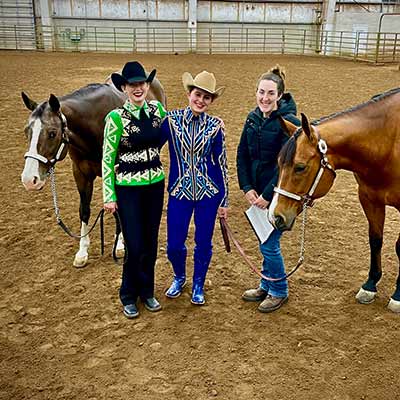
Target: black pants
(140,209)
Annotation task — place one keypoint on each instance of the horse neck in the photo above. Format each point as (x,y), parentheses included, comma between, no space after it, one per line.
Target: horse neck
(352,142)
(73,133)
(84,132)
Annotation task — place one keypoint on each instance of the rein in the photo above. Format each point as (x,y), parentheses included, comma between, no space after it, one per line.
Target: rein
(300,261)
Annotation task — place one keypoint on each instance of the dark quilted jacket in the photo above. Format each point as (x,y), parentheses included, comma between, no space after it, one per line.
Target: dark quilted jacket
(259,147)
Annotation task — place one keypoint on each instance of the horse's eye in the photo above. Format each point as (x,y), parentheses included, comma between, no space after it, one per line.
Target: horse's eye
(52,134)
(299,168)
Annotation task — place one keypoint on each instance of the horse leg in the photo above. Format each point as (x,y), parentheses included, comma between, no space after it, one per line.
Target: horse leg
(394,303)
(375,213)
(85,188)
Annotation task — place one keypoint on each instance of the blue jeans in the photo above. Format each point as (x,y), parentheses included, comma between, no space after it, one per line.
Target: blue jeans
(273,266)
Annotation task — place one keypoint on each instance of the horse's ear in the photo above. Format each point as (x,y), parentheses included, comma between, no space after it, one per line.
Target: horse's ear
(305,124)
(287,126)
(30,104)
(54,103)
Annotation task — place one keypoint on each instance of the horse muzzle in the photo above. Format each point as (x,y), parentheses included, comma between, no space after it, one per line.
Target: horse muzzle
(34,175)
(33,183)
(281,220)
(283,224)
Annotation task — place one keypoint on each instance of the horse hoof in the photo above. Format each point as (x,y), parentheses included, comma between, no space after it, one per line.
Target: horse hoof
(365,296)
(120,252)
(394,305)
(80,262)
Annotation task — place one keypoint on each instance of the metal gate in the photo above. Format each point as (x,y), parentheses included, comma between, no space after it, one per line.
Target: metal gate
(17,25)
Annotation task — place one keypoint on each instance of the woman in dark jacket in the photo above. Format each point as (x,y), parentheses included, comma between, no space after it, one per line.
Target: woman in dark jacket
(257,168)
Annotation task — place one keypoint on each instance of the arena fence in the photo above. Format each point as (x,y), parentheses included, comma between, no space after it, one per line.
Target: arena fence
(366,46)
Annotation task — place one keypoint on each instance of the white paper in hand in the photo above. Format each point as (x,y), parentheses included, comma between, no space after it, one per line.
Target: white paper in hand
(258,219)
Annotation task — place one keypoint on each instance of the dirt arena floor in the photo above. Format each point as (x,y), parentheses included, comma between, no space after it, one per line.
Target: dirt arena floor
(63,335)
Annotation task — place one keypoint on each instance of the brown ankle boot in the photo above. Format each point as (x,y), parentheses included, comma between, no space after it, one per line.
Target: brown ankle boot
(272,303)
(254,294)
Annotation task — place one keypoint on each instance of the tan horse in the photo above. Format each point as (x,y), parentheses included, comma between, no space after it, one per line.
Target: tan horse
(365,140)
(73,123)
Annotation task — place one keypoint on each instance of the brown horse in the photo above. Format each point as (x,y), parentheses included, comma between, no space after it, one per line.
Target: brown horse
(365,140)
(74,123)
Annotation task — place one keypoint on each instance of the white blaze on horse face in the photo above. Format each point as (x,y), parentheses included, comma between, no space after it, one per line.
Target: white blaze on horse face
(30,176)
(271,209)
(272,206)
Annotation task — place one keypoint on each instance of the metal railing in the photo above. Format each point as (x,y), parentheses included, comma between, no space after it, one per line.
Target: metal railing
(179,40)
(365,46)
(17,37)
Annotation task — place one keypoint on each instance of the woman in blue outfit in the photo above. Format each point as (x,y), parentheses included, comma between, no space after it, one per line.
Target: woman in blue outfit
(197,183)
(257,155)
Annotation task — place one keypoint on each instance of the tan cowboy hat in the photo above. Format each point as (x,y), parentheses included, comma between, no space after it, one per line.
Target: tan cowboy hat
(204,80)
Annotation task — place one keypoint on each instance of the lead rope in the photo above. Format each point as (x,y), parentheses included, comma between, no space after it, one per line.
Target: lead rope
(250,263)
(303,233)
(54,194)
(57,213)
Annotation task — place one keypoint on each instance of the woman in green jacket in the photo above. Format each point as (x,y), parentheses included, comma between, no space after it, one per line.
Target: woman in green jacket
(133,182)
(257,168)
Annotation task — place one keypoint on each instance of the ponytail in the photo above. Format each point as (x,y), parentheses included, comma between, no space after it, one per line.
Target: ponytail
(275,74)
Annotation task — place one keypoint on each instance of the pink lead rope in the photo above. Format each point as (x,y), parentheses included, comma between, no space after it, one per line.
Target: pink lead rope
(227,233)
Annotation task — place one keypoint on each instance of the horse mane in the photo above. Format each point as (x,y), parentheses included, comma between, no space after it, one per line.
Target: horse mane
(288,151)
(374,99)
(84,91)
(38,111)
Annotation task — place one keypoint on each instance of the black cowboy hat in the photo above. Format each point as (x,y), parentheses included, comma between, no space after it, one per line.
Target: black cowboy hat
(132,72)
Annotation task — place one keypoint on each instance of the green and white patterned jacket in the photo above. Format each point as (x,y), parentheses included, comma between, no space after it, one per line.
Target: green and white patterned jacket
(131,148)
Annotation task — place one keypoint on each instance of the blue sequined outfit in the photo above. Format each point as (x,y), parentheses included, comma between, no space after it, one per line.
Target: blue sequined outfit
(197,186)
(198,166)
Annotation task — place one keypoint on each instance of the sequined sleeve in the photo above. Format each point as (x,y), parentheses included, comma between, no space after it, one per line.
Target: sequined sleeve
(220,151)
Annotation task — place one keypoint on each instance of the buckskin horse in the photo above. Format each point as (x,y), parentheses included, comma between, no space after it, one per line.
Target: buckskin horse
(73,123)
(364,139)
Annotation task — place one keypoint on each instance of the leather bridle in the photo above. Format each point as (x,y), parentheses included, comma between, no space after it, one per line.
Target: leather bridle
(324,164)
(61,150)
